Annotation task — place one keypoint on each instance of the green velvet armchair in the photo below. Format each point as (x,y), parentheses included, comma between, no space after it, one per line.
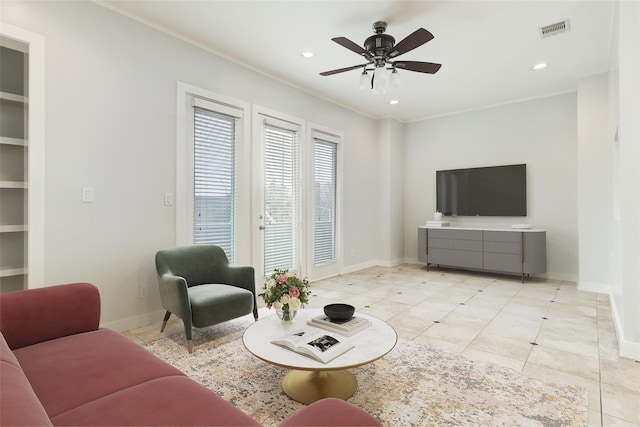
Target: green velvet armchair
(198,285)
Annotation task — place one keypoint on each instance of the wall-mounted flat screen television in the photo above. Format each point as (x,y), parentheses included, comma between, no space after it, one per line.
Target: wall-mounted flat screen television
(485,191)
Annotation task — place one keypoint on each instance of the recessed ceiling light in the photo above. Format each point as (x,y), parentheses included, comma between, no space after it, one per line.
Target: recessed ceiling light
(308,54)
(394,102)
(539,66)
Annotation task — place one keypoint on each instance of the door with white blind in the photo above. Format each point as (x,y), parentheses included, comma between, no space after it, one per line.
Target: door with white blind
(278,232)
(323,204)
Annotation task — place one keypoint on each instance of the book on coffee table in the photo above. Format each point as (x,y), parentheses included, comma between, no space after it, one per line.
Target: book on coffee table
(315,343)
(343,327)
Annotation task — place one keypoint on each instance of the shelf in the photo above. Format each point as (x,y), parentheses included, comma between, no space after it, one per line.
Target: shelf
(12,228)
(6,96)
(15,153)
(13,184)
(5,140)
(12,271)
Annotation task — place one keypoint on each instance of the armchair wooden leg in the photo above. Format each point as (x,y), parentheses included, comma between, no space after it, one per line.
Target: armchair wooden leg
(190,346)
(165,320)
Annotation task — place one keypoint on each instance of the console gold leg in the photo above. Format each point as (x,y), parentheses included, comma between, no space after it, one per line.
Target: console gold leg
(164,325)
(190,346)
(308,386)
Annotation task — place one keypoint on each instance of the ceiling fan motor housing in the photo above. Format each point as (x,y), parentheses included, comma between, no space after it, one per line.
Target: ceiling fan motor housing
(379,44)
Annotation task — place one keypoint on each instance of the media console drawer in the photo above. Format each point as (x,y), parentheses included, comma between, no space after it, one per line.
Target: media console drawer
(443,233)
(456,258)
(508,251)
(503,247)
(465,245)
(502,236)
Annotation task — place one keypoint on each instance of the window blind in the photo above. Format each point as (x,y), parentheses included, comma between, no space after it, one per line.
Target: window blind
(214,179)
(324,225)
(281,198)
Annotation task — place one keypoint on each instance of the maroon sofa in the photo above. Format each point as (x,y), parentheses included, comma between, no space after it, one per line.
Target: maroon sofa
(57,367)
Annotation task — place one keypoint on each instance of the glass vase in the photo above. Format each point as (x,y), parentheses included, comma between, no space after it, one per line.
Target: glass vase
(286,316)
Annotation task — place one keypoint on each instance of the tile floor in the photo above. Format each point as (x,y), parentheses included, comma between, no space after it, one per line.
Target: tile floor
(542,328)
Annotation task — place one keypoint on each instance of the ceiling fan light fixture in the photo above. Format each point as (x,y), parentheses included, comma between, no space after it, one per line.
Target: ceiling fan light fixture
(380,77)
(394,80)
(364,80)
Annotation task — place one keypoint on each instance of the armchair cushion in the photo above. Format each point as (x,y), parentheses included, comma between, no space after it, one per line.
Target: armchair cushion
(210,304)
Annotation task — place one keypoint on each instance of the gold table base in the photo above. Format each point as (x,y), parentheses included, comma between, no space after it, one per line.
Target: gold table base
(308,386)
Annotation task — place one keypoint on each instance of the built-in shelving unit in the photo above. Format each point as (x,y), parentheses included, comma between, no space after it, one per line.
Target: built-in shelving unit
(14,156)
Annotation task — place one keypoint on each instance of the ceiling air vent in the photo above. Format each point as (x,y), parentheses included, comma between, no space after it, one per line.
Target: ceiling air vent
(553,29)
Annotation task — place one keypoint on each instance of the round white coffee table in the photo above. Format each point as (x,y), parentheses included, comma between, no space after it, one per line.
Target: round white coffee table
(310,380)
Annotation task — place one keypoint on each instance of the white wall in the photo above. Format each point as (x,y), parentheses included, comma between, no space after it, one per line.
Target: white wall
(625,177)
(391,188)
(541,133)
(111,125)
(594,150)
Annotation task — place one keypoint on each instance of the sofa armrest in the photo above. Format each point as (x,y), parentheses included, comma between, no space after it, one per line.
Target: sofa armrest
(36,315)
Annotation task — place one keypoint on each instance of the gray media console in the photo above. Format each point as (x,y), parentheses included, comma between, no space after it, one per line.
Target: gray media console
(511,251)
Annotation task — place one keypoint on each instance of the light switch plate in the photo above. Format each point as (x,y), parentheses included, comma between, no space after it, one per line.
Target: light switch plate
(87,195)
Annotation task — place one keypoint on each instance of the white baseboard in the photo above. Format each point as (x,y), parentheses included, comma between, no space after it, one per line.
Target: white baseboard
(391,263)
(134,322)
(630,349)
(358,267)
(602,288)
(627,348)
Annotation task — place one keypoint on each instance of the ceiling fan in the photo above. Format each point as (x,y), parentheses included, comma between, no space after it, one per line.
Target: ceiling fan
(380,50)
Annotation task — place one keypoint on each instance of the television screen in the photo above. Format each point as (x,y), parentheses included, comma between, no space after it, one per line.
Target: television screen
(487,191)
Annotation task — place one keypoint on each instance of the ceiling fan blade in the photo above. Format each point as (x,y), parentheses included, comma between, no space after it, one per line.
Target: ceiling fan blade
(420,67)
(342,70)
(352,46)
(412,41)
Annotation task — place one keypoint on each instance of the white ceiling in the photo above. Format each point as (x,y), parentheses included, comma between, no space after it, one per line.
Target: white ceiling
(486,47)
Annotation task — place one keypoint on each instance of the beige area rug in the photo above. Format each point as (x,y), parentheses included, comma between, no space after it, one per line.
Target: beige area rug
(414,385)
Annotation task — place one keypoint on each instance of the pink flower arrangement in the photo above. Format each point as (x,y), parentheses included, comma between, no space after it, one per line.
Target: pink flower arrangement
(285,291)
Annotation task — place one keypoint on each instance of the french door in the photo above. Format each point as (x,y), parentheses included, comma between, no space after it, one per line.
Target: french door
(277,194)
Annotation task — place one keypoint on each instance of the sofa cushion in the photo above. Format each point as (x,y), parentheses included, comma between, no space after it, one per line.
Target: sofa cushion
(19,405)
(331,412)
(169,401)
(68,372)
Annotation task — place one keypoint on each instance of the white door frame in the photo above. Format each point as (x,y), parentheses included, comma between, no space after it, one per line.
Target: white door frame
(257,190)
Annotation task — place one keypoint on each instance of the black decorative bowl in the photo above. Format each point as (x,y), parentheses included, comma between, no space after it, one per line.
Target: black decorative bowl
(339,311)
